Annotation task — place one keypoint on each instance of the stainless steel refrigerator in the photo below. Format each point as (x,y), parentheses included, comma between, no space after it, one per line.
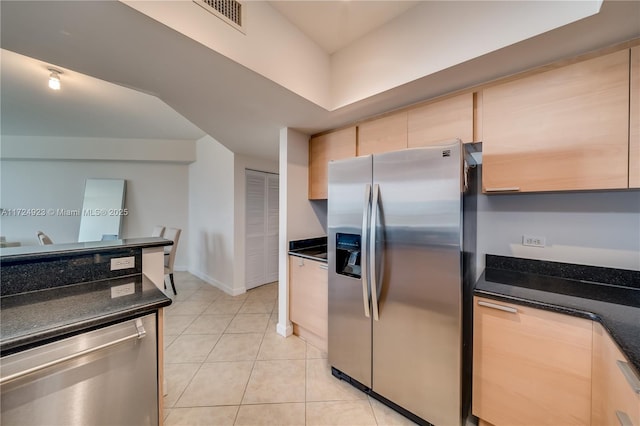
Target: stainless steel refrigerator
(401,243)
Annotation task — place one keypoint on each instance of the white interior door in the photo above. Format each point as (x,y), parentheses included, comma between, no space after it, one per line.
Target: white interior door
(261,230)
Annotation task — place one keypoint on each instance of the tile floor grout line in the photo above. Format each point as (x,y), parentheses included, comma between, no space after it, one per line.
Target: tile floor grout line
(253,366)
(194,374)
(235,418)
(278,352)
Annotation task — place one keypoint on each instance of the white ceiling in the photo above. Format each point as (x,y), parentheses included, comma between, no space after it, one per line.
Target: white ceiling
(335,24)
(235,105)
(85,106)
(91,107)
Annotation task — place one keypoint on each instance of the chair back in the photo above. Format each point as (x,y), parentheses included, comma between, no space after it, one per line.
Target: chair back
(172,234)
(43,238)
(158,231)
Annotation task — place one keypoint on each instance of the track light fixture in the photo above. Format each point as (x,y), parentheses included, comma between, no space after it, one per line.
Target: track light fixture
(54,79)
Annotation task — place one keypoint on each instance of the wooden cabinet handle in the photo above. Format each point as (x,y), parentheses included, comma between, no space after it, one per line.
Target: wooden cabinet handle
(623,418)
(506,189)
(498,307)
(634,382)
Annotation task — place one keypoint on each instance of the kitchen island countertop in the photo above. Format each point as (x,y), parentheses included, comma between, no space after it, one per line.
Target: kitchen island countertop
(32,253)
(34,318)
(56,291)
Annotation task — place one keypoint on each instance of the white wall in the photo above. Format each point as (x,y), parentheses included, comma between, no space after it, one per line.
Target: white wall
(590,228)
(425,40)
(435,35)
(156,194)
(271,45)
(211,214)
(428,38)
(303,218)
(298,219)
(241,163)
(75,148)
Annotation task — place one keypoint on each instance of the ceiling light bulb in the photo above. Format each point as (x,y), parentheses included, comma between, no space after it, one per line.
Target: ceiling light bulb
(54,79)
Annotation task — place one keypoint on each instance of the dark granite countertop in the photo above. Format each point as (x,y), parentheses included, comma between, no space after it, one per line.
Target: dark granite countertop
(609,296)
(35,318)
(311,248)
(30,253)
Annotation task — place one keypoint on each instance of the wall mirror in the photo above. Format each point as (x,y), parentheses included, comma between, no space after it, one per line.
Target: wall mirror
(102,210)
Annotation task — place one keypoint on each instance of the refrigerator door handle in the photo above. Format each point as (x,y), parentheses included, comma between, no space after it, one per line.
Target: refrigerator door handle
(372,247)
(363,249)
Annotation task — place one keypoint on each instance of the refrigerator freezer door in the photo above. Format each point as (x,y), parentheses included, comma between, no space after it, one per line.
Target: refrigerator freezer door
(417,339)
(349,323)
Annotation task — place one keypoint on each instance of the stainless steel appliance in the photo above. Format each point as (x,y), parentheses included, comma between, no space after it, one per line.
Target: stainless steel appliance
(401,256)
(102,377)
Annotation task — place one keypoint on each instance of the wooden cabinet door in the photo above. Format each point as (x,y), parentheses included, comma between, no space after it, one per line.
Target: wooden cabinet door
(322,149)
(563,129)
(383,134)
(613,397)
(634,120)
(308,295)
(441,121)
(530,367)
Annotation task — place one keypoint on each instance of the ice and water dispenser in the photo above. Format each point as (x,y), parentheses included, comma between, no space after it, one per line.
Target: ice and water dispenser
(348,255)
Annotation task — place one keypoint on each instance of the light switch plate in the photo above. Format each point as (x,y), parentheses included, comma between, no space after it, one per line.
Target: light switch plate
(123,263)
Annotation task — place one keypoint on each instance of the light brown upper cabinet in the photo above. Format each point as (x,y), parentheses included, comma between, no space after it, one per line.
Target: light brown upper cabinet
(324,148)
(634,122)
(440,121)
(562,129)
(383,134)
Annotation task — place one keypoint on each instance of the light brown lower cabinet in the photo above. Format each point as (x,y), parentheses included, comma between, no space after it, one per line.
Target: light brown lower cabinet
(614,399)
(308,300)
(530,366)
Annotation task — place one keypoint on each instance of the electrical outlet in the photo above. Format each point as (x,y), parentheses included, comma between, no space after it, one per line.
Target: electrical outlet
(533,241)
(123,263)
(123,290)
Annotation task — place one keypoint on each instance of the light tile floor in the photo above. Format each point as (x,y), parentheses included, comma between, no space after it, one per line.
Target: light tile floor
(226,365)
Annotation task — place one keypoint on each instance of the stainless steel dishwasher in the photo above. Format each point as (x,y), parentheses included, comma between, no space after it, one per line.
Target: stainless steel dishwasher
(106,376)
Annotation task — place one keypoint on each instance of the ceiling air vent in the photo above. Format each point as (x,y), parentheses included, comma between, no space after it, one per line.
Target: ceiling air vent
(230,11)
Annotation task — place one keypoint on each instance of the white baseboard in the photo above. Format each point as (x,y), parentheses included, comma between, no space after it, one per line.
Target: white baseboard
(222,286)
(284,330)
